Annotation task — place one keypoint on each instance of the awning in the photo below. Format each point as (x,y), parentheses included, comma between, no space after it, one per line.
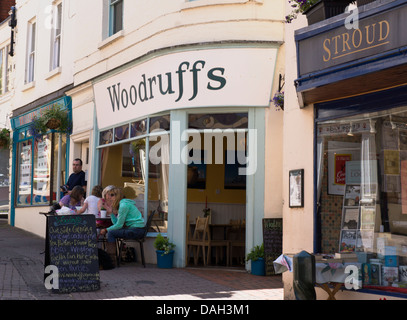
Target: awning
(26,118)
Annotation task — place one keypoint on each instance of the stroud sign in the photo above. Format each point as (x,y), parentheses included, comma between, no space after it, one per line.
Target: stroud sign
(201,78)
(376,34)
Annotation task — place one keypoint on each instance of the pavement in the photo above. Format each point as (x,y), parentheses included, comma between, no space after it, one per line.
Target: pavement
(22,278)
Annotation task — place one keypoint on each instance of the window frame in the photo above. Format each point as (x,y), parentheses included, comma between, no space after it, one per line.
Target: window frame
(31,44)
(113,14)
(56,35)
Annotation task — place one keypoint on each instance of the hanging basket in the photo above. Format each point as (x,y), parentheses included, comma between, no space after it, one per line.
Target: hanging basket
(53,124)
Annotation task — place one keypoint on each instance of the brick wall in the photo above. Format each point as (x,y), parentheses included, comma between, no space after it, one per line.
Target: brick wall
(5,6)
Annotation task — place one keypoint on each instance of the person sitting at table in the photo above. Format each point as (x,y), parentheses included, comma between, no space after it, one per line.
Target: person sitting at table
(127,222)
(74,199)
(105,203)
(91,202)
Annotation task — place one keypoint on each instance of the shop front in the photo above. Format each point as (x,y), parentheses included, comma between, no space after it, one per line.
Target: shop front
(39,166)
(182,131)
(355,78)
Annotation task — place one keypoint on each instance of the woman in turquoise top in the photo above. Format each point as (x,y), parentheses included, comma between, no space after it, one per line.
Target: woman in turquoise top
(128,223)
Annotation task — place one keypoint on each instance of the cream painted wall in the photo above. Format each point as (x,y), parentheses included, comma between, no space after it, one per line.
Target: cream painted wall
(5,98)
(162,24)
(273,191)
(297,154)
(45,82)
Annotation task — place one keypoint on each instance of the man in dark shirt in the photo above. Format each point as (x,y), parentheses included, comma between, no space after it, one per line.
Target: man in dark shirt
(77,178)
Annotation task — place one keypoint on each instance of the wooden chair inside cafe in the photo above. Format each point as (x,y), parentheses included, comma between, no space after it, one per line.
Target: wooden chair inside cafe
(236,235)
(201,239)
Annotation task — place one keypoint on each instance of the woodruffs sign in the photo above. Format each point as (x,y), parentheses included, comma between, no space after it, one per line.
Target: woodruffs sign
(202,78)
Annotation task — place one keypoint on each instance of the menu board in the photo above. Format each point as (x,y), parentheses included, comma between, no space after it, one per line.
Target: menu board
(71,247)
(273,242)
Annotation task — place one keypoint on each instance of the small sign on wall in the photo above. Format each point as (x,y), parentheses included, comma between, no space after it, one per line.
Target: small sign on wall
(296,190)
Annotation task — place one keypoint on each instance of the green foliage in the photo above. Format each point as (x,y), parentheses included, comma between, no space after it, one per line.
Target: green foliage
(256,253)
(163,244)
(5,138)
(39,125)
(299,6)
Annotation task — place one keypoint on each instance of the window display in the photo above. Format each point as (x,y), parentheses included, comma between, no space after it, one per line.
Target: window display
(362,194)
(139,163)
(37,157)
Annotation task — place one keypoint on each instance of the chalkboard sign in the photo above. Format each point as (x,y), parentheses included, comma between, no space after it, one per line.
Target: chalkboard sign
(71,249)
(273,242)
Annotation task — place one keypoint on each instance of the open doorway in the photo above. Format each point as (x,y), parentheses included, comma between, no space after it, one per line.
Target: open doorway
(216,189)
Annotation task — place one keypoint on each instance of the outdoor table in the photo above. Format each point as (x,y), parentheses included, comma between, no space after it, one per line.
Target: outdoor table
(327,274)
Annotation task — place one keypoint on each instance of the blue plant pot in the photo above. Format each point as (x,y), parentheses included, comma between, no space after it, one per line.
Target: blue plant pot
(258,267)
(164,261)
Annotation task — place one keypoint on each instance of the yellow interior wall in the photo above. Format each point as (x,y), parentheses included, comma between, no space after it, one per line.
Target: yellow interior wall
(214,191)
(215,174)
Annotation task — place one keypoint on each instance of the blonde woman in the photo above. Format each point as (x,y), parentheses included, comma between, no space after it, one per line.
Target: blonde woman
(128,223)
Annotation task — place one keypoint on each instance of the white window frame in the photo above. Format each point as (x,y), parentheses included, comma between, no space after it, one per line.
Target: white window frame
(56,33)
(8,69)
(31,42)
(113,14)
(3,53)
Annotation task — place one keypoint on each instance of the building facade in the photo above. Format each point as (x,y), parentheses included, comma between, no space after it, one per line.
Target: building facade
(162,98)
(348,85)
(6,89)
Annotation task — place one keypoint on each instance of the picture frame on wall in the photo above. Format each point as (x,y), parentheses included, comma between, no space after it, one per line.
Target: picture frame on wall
(296,188)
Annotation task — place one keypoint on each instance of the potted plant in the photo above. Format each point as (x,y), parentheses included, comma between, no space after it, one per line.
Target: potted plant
(256,255)
(54,118)
(317,10)
(5,138)
(165,252)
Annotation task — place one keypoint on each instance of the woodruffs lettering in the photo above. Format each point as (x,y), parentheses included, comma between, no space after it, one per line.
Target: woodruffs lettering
(147,88)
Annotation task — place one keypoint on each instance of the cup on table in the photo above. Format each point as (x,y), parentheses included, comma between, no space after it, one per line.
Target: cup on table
(103,213)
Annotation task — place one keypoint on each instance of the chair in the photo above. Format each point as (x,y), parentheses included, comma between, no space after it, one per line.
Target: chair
(236,236)
(188,238)
(120,241)
(201,239)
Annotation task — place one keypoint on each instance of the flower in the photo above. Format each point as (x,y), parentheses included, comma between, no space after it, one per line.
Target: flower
(278,99)
(163,244)
(5,138)
(299,6)
(40,125)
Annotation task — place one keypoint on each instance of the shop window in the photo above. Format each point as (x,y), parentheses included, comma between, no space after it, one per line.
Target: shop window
(37,169)
(138,128)
(362,194)
(160,123)
(121,133)
(134,164)
(106,137)
(4,178)
(220,121)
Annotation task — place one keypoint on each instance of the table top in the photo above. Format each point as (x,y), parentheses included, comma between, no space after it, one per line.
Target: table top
(325,271)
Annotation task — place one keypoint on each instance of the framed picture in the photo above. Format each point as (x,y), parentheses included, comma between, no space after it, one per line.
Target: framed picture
(296,188)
